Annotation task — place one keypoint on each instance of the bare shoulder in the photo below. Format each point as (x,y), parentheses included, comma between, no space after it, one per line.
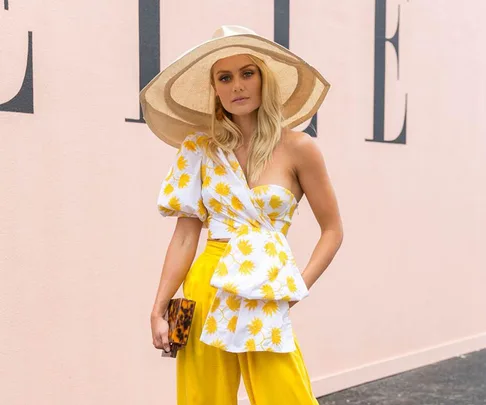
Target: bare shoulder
(302,147)
(314,180)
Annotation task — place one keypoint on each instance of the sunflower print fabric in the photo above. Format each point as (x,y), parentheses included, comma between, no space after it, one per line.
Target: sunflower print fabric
(257,275)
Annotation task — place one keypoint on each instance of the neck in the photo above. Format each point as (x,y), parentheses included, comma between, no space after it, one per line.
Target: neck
(247,124)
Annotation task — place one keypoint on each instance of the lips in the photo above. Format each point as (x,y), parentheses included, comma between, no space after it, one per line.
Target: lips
(239,99)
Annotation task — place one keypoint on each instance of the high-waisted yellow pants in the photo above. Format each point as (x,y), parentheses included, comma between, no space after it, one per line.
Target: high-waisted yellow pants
(207,375)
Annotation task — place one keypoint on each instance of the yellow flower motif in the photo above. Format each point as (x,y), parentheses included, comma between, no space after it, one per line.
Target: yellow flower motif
(184,180)
(231,288)
(227,251)
(251,304)
(259,190)
(216,303)
(201,141)
(219,344)
(232,324)
(250,345)
(165,210)
(181,162)
(272,274)
(204,169)
(242,230)
(216,205)
(268,292)
(230,224)
(275,202)
(270,249)
(285,228)
(245,247)
(255,326)
(247,267)
(286,298)
(256,226)
(279,240)
(269,349)
(206,181)
(174,203)
(276,336)
(201,209)
(236,203)
(292,209)
(270,307)
(260,203)
(234,165)
(211,325)
(168,189)
(233,302)
(231,213)
(291,284)
(274,215)
(222,269)
(220,170)
(222,189)
(190,145)
(283,257)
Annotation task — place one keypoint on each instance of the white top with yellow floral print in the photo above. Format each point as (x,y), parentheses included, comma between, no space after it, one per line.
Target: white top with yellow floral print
(257,274)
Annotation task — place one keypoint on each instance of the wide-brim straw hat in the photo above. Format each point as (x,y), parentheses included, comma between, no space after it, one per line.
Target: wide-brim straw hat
(180,99)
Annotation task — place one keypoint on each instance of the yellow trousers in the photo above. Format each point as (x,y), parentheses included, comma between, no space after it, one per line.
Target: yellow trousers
(207,375)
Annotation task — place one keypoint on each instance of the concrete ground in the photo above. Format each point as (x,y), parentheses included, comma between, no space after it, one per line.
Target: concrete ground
(457,381)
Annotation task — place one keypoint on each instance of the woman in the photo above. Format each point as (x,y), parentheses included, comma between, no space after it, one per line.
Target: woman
(240,171)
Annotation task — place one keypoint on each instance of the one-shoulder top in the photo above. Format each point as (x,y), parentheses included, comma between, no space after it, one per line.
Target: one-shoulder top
(257,274)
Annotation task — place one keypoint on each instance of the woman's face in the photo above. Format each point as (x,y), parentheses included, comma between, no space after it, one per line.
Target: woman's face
(238,83)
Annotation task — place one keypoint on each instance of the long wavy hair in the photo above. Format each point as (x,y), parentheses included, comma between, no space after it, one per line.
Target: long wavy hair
(225,134)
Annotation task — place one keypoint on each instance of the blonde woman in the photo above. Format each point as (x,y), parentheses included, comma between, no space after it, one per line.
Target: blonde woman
(228,105)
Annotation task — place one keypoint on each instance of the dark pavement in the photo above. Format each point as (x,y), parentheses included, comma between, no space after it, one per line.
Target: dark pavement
(457,381)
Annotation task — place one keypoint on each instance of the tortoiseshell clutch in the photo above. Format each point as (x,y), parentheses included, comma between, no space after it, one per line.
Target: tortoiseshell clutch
(179,316)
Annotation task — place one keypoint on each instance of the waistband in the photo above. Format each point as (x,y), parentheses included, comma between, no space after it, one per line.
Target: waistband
(215,247)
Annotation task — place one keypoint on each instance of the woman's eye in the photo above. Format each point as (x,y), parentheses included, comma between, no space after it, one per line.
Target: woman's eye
(226,78)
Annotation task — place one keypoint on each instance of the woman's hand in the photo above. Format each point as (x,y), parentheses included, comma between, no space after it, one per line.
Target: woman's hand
(160,333)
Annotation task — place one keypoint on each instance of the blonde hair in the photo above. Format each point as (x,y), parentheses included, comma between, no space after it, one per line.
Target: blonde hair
(226,134)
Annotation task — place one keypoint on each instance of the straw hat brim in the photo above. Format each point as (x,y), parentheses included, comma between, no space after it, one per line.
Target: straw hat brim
(178,100)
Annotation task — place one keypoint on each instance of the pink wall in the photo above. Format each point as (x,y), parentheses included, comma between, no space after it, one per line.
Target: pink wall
(82,243)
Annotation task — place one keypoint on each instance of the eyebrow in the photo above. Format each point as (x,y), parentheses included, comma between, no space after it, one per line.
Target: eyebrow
(244,67)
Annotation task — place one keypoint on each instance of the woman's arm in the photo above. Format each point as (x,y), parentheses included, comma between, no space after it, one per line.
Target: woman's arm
(180,254)
(316,184)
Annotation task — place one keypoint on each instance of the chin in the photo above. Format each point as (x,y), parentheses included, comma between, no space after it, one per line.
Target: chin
(243,111)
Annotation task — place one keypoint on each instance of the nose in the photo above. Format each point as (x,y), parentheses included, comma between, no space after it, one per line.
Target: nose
(237,85)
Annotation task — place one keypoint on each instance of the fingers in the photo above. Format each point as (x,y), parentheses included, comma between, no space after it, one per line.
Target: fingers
(165,343)
(161,341)
(160,334)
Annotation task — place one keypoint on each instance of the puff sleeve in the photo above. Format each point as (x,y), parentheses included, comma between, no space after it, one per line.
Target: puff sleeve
(180,191)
